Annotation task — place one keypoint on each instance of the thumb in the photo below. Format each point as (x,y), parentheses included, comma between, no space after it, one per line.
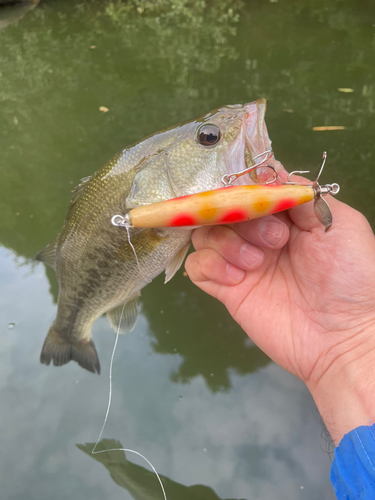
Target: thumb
(344,217)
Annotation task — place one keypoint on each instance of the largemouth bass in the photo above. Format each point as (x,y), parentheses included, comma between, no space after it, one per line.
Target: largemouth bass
(97,269)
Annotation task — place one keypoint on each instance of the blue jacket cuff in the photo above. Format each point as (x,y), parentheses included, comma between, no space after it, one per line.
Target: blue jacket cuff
(353,467)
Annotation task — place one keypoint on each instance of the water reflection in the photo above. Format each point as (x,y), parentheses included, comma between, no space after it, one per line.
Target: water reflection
(176,312)
(155,63)
(141,483)
(159,66)
(262,438)
(187,37)
(65,86)
(11,11)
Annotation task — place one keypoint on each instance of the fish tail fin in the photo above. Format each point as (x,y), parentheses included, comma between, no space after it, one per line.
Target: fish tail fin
(60,351)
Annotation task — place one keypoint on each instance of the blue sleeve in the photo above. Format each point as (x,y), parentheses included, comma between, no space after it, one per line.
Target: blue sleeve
(353,467)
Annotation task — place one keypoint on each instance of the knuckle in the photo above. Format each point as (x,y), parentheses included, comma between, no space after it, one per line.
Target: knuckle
(198,237)
(363,221)
(197,265)
(216,235)
(193,267)
(206,258)
(189,262)
(208,237)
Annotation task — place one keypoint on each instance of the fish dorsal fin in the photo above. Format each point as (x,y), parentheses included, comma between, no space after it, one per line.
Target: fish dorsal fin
(48,254)
(77,192)
(126,313)
(175,263)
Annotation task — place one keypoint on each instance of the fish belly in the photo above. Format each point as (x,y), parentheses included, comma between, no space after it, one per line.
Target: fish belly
(113,278)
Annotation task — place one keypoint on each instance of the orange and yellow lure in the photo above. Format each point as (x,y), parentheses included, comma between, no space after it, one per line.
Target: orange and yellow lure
(230,204)
(226,205)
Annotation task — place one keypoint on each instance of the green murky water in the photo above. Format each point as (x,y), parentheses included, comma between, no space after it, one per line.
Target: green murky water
(190,391)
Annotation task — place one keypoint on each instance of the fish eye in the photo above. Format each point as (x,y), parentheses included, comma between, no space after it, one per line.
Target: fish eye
(208,135)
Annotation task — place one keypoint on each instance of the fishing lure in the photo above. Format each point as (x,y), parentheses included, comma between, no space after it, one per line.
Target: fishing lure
(231,204)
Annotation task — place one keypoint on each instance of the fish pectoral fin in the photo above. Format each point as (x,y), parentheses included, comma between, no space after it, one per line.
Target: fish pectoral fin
(124,317)
(175,263)
(60,351)
(48,254)
(144,241)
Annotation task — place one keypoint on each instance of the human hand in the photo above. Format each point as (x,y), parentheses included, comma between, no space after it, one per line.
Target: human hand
(305,297)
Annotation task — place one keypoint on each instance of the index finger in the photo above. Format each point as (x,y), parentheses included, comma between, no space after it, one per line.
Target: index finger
(266,232)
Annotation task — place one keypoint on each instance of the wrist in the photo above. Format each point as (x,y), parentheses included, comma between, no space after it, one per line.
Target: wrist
(344,392)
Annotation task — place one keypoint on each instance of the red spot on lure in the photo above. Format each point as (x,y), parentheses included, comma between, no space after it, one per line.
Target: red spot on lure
(183,220)
(285,204)
(221,206)
(232,204)
(234,215)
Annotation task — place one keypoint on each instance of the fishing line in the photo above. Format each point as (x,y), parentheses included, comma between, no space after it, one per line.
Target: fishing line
(93,451)
(120,221)
(136,256)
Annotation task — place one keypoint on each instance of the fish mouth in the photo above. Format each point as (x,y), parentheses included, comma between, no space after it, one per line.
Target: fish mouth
(253,146)
(256,134)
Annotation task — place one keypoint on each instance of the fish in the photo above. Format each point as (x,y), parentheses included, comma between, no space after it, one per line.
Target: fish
(138,481)
(101,268)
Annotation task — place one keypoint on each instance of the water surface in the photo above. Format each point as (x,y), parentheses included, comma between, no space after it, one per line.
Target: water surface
(191,392)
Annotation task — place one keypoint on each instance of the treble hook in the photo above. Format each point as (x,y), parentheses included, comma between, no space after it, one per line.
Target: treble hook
(228,179)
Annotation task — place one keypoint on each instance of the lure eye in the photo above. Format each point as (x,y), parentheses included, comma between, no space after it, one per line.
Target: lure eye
(208,135)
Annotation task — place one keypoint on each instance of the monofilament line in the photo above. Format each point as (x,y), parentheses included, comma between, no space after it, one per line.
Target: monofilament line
(120,221)
(126,226)
(94,452)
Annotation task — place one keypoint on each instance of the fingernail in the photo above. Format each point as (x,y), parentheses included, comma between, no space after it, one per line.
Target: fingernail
(235,273)
(251,255)
(272,232)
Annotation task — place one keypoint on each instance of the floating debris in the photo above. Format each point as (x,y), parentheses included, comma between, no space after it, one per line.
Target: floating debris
(92,46)
(287,110)
(11,325)
(346,90)
(328,127)
(184,274)
(103,109)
